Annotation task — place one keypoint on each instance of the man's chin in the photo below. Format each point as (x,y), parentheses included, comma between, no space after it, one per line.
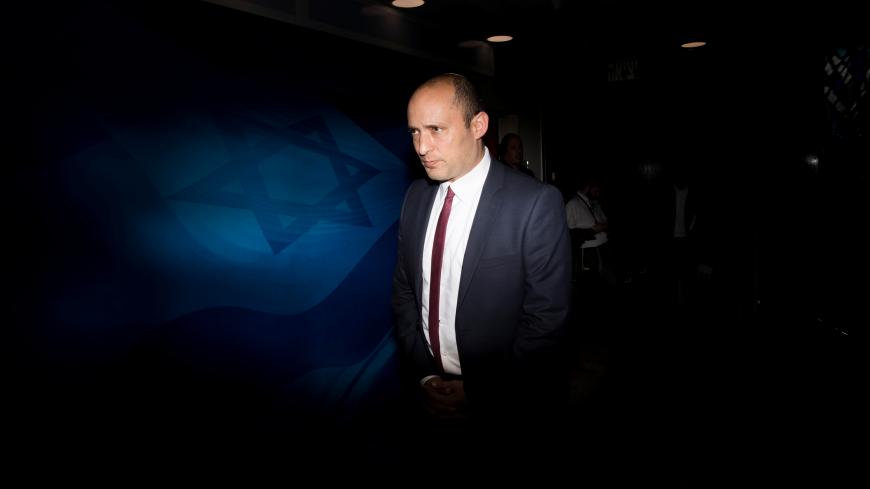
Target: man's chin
(435,174)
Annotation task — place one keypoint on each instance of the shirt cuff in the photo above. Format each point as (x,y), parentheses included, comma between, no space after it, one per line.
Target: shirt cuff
(426,379)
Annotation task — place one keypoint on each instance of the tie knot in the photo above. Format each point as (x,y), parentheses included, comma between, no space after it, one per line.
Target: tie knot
(450,193)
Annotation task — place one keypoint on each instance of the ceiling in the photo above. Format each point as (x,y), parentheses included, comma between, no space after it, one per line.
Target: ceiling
(609,31)
(555,38)
(438,29)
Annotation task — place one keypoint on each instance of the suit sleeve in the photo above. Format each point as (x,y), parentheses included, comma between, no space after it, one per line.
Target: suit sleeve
(547,262)
(414,354)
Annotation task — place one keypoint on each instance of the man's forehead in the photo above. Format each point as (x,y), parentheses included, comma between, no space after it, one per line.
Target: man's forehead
(439,90)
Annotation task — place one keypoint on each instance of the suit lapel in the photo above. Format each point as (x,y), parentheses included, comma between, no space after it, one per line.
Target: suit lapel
(427,199)
(487,211)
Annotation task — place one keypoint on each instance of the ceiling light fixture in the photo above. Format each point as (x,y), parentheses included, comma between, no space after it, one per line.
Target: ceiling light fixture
(499,38)
(407,3)
(694,44)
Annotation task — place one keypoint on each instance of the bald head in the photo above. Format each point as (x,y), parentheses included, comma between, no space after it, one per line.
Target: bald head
(465,96)
(446,126)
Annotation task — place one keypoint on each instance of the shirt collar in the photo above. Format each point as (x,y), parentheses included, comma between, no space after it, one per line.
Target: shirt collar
(470,184)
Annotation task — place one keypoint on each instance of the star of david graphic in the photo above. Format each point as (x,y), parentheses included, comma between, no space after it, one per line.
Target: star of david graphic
(244,168)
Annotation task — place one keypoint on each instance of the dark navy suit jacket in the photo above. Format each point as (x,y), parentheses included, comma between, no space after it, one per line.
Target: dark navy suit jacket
(514,289)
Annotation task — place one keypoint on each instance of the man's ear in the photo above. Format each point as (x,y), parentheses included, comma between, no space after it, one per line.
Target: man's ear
(480,124)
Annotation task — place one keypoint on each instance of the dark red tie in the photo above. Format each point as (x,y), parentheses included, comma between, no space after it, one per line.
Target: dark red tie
(435,278)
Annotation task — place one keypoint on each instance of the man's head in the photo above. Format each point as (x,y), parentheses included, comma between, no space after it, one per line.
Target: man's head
(510,149)
(590,186)
(446,121)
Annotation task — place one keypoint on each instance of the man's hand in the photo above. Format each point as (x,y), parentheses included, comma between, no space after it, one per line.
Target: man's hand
(444,399)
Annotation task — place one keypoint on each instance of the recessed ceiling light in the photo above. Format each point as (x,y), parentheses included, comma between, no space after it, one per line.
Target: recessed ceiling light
(499,38)
(694,44)
(407,3)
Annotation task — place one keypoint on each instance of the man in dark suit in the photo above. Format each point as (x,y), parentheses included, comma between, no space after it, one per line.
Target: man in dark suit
(481,288)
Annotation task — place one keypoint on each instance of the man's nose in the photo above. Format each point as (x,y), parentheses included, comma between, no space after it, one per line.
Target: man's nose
(424,144)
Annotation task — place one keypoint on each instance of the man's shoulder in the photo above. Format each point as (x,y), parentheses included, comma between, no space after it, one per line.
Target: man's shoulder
(515,178)
(421,185)
(520,185)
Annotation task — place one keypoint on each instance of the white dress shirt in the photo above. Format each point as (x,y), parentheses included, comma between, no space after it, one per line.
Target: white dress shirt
(467,189)
(584,213)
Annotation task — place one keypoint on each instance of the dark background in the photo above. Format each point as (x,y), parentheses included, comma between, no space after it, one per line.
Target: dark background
(104,352)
